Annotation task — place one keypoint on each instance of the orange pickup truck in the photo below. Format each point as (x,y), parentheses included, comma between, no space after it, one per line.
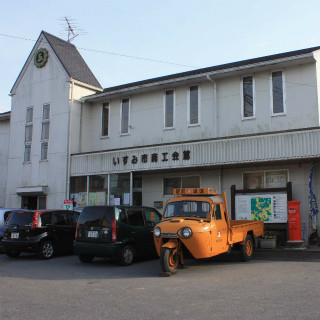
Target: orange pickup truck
(197,220)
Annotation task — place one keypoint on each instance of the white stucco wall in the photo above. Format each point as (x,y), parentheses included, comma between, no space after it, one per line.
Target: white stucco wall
(146,111)
(38,86)
(4,149)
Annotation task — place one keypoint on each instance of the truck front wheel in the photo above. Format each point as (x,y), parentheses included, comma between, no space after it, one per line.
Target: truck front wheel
(169,260)
(246,250)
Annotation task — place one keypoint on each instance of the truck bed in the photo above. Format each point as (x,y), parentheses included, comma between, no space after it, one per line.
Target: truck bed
(240,229)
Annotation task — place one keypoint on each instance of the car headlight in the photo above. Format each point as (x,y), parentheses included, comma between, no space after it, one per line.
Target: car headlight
(185,233)
(157,232)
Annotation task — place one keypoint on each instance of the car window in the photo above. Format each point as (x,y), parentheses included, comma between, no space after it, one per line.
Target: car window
(60,218)
(135,218)
(46,219)
(6,216)
(152,217)
(218,212)
(97,216)
(20,218)
(75,217)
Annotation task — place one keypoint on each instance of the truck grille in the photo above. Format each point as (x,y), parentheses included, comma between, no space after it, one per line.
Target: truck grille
(169,235)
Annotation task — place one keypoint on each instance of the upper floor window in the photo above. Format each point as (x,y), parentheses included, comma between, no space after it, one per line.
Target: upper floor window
(29,117)
(27,152)
(29,125)
(28,134)
(277,93)
(105,119)
(248,99)
(45,122)
(169,109)
(125,109)
(45,131)
(193,116)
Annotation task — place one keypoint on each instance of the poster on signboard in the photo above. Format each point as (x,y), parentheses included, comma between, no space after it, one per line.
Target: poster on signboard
(270,208)
(82,199)
(68,204)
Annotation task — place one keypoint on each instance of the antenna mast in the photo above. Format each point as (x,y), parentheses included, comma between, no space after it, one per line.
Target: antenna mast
(71,28)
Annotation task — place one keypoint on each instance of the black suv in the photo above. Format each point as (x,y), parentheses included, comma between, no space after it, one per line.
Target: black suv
(43,232)
(119,232)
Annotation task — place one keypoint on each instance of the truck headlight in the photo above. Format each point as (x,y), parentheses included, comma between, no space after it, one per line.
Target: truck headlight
(157,232)
(185,233)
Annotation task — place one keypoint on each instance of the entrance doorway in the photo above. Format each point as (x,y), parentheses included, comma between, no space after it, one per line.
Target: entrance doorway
(33,202)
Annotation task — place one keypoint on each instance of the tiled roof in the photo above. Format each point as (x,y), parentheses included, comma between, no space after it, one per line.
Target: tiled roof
(71,60)
(5,115)
(214,68)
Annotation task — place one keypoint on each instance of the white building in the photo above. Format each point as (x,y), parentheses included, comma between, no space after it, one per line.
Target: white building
(253,124)
(45,102)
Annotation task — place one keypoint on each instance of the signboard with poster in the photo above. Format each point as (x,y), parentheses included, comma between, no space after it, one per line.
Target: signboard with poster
(68,204)
(268,207)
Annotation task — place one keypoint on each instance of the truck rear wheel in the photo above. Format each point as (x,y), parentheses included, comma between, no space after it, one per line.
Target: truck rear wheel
(246,250)
(169,260)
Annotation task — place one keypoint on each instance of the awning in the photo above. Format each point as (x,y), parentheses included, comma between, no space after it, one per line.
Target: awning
(32,191)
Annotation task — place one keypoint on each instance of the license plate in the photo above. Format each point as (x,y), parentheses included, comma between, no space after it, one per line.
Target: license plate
(93,234)
(14,235)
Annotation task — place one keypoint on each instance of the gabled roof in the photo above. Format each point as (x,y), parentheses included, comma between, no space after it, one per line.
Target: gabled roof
(70,59)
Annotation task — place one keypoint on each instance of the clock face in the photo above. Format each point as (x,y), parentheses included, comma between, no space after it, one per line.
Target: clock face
(41,57)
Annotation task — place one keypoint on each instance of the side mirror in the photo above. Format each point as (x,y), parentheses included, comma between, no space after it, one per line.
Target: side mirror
(209,217)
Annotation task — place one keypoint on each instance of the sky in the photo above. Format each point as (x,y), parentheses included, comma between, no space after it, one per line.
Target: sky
(124,41)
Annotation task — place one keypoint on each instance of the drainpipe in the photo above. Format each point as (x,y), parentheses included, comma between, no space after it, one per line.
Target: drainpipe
(67,191)
(215,107)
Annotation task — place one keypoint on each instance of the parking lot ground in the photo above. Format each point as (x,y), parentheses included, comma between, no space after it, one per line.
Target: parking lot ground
(276,284)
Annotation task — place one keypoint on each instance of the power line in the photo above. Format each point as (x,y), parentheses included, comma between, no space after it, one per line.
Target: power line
(110,53)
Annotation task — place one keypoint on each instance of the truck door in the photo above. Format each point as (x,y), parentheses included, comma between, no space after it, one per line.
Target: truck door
(220,233)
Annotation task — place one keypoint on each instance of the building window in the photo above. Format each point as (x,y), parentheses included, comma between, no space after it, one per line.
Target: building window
(179,182)
(42,202)
(248,97)
(29,117)
(169,109)
(29,125)
(193,105)
(277,93)
(125,109)
(265,179)
(105,119)
(44,150)
(28,134)
(45,131)
(27,152)
(45,122)
(79,191)
(98,190)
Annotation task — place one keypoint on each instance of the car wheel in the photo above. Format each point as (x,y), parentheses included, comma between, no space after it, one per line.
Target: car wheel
(127,255)
(46,250)
(169,260)
(246,250)
(13,254)
(85,259)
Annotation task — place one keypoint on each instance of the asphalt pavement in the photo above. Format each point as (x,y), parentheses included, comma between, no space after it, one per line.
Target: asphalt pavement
(276,284)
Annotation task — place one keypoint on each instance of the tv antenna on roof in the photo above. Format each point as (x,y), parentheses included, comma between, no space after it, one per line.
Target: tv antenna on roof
(71,27)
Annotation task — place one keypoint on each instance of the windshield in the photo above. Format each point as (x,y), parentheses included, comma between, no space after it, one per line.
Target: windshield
(20,218)
(187,209)
(97,216)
